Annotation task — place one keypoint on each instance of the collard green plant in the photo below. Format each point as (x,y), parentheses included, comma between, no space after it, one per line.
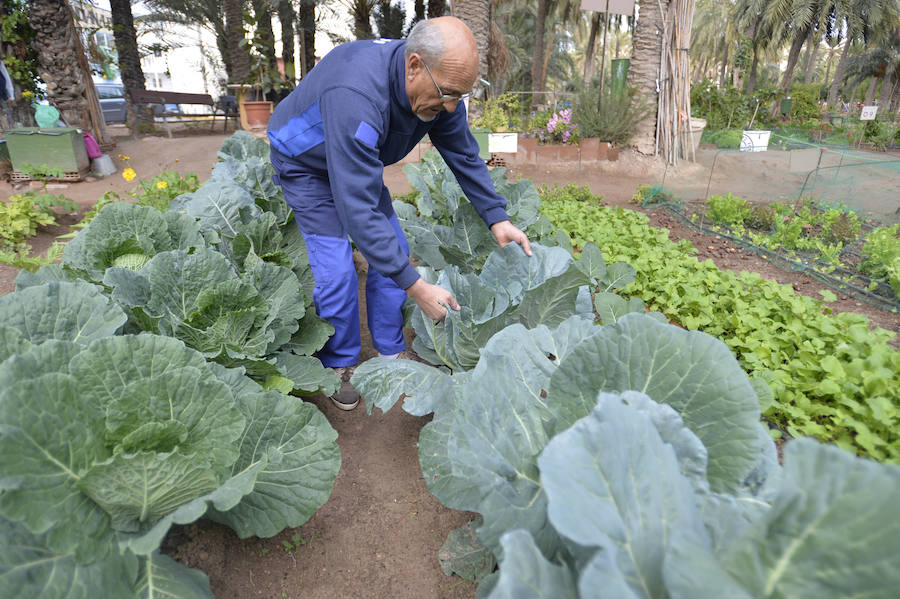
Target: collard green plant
(106,441)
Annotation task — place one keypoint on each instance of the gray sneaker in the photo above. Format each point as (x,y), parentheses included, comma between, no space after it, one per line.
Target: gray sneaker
(346,397)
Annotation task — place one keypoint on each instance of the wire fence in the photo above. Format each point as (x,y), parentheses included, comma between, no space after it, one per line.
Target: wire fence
(787,167)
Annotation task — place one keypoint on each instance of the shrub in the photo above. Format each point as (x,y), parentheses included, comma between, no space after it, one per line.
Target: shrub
(607,115)
(805,102)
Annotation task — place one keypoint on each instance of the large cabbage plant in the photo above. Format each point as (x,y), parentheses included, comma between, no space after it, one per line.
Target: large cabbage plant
(107,441)
(444,229)
(628,460)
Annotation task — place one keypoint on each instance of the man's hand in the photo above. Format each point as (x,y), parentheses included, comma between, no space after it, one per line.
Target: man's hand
(506,232)
(430,297)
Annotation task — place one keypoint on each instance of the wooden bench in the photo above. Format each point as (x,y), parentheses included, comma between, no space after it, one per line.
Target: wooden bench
(227,106)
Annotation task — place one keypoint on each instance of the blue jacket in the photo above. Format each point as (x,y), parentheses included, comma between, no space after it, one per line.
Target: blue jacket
(347,119)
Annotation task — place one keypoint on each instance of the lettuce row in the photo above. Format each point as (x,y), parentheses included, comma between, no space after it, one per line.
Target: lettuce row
(107,440)
(832,377)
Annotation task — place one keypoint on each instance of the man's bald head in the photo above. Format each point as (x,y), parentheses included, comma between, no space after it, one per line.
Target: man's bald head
(443,38)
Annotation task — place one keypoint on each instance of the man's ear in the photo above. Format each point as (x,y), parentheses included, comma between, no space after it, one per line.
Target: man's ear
(413,66)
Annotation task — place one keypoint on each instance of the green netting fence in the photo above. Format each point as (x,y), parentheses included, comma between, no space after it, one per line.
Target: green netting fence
(789,166)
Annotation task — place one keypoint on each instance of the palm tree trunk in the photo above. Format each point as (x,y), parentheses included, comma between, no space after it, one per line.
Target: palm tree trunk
(886,88)
(793,55)
(129,61)
(839,73)
(751,80)
(724,70)
(287,16)
(306,20)
(591,48)
(234,27)
(265,37)
(809,47)
(476,14)
(811,65)
(644,70)
(537,61)
(64,66)
(436,8)
(870,91)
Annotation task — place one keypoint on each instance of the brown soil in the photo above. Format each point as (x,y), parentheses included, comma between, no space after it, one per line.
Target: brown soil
(378,535)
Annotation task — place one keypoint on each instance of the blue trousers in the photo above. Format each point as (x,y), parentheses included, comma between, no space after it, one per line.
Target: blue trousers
(336,295)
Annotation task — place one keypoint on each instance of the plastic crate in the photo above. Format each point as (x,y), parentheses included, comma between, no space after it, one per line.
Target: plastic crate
(60,148)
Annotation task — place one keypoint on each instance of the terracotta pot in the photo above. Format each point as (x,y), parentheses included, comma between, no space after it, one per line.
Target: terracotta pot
(257,113)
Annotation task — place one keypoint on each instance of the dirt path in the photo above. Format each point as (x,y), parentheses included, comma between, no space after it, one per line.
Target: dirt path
(378,535)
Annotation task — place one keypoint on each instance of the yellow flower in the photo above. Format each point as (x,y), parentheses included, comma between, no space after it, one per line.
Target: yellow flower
(128,174)
(27,95)
(161,185)
(124,157)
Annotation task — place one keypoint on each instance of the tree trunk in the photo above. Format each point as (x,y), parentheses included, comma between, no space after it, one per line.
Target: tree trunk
(306,17)
(264,36)
(591,47)
(537,61)
(476,14)
(436,8)
(886,88)
(498,60)
(129,62)
(811,62)
(64,66)
(643,71)
(793,55)
(839,73)
(234,27)
(723,73)
(809,47)
(870,91)
(362,19)
(287,16)
(751,80)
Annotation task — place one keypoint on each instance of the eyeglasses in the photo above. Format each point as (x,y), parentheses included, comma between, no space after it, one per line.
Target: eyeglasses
(444,97)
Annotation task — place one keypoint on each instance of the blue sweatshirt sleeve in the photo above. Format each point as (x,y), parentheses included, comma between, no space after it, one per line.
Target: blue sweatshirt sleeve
(453,139)
(353,128)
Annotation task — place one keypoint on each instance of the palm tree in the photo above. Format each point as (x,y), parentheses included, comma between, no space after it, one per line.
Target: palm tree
(476,14)
(129,60)
(239,57)
(643,72)
(286,16)
(436,8)
(64,66)
(306,25)
(209,14)
(863,19)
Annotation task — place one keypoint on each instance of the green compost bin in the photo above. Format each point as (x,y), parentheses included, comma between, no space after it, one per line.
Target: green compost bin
(786,106)
(56,147)
(481,136)
(618,75)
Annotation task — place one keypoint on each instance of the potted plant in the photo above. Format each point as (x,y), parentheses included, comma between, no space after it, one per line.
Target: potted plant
(264,79)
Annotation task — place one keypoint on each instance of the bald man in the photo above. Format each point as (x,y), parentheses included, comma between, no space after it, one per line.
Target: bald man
(364,106)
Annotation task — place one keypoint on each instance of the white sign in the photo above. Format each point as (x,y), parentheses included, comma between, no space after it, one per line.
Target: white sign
(615,7)
(868,113)
(503,142)
(755,141)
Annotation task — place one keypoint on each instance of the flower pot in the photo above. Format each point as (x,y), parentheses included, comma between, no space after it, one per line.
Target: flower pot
(257,113)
